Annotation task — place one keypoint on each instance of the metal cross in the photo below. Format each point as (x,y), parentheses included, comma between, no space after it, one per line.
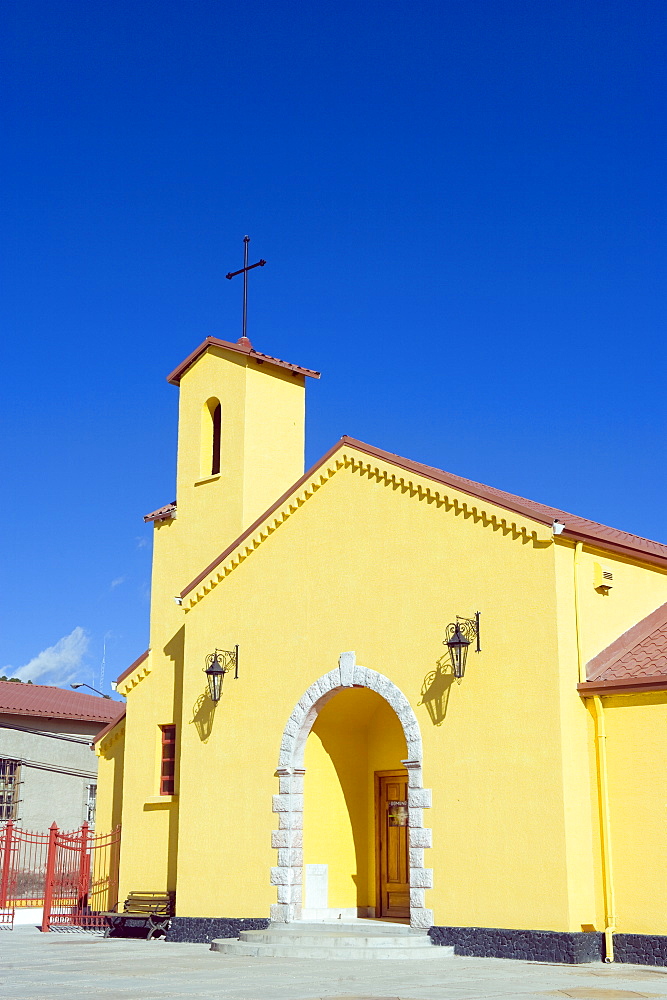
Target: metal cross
(244,271)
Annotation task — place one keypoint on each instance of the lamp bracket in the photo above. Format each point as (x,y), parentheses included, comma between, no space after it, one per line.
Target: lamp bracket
(227,658)
(469,629)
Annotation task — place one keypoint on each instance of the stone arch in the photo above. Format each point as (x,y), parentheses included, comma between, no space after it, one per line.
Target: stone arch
(287,875)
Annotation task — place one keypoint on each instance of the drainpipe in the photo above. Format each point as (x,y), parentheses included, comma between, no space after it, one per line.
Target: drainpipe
(605,828)
(577,614)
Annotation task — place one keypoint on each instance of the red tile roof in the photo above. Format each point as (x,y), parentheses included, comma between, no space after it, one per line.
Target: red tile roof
(56,703)
(637,660)
(577,528)
(162,513)
(243,346)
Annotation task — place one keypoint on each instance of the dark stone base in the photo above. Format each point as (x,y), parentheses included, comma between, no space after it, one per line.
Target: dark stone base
(640,949)
(533,946)
(202,930)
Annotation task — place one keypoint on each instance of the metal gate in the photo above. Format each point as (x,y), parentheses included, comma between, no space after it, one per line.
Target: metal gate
(73,876)
(23,856)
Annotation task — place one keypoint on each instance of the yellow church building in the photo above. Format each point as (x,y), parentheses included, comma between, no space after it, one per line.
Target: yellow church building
(381,690)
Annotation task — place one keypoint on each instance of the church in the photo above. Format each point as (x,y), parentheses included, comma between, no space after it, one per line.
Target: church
(376,689)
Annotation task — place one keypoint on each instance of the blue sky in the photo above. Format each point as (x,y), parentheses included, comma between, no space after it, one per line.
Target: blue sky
(462,205)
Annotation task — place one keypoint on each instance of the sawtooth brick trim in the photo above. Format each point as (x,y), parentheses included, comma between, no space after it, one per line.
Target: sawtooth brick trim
(287,875)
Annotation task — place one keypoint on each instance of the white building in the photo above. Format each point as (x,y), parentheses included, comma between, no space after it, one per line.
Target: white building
(47,769)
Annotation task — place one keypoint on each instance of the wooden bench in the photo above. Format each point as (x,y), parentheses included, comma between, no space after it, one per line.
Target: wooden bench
(151,910)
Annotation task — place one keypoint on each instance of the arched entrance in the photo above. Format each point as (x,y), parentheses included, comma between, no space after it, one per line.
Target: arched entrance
(287,876)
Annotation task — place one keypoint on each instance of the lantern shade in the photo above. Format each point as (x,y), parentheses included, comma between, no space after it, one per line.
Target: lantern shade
(458,650)
(214,675)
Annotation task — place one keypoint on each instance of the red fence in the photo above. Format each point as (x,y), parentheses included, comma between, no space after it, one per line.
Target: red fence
(23,857)
(73,876)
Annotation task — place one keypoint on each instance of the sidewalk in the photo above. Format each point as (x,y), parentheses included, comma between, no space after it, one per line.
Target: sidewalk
(36,966)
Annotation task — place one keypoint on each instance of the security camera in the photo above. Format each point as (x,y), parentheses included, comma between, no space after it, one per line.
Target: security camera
(178,600)
(557,527)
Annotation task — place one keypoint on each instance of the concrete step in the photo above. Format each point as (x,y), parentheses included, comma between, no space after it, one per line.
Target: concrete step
(361,940)
(227,946)
(337,940)
(359,926)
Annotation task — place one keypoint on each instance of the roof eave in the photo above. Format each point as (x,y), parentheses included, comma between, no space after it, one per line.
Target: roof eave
(623,685)
(628,551)
(163,514)
(128,670)
(109,728)
(53,716)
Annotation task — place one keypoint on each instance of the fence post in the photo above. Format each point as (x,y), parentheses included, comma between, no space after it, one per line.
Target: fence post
(50,875)
(114,867)
(84,871)
(6,862)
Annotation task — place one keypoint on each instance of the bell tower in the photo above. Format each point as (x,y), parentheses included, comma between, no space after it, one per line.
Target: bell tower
(241,429)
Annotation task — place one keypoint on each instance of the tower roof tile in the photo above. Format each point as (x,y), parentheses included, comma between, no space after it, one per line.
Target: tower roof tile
(242,347)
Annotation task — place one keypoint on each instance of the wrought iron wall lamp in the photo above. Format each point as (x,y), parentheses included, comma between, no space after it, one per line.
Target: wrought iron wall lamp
(459,636)
(219,663)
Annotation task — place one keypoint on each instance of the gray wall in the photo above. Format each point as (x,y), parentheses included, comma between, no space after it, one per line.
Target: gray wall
(55,774)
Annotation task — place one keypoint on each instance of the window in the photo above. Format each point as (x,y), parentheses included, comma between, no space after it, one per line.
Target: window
(10,777)
(91,802)
(168,760)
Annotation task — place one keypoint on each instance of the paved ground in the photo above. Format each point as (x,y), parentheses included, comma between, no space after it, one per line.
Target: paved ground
(36,966)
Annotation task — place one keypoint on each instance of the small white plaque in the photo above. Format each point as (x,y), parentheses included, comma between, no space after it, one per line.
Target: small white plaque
(317,886)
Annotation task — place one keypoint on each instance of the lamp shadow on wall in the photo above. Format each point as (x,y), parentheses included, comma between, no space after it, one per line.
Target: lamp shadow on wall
(203,714)
(435,690)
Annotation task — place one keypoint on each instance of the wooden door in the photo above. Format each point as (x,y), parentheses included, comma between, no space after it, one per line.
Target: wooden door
(392,857)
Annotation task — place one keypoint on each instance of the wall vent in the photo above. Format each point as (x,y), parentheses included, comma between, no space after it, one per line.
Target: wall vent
(603,578)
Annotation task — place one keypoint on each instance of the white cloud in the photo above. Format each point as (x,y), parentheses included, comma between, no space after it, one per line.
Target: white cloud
(142,543)
(58,664)
(117,582)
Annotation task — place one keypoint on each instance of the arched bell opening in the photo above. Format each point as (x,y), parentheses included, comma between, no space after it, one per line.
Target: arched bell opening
(211,438)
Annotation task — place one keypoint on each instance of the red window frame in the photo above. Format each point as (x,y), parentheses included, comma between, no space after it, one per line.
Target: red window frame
(168,760)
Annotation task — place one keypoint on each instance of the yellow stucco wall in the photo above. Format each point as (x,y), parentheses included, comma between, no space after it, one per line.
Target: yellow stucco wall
(637,762)
(110,768)
(639,588)
(150,820)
